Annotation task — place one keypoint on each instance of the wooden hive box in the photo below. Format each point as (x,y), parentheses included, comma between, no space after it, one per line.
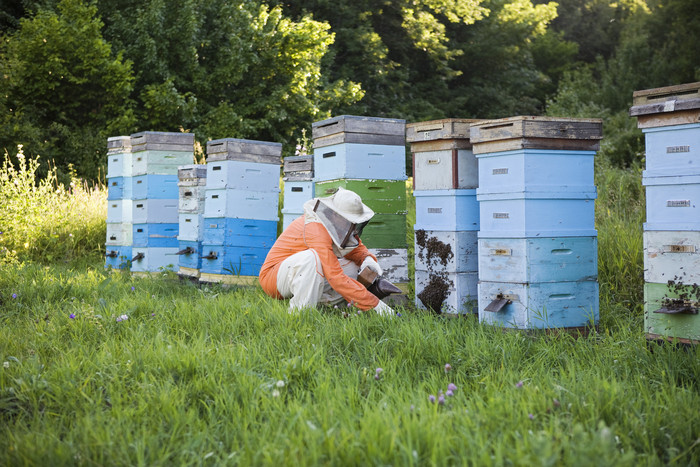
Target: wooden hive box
(381,196)
(672,255)
(239,232)
(672,311)
(163,141)
(435,130)
(233,149)
(357,129)
(667,106)
(359,161)
(447,210)
(243,175)
(453,293)
(539,305)
(155,211)
(156,235)
(191,199)
(191,225)
(192,174)
(548,259)
(118,256)
(152,259)
(445,251)
(528,132)
(299,168)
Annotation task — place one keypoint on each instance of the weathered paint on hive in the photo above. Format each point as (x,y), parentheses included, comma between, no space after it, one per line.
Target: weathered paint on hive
(444,170)
(683,299)
(672,255)
(191,226)
(394,263)
(441,251)
(453,293)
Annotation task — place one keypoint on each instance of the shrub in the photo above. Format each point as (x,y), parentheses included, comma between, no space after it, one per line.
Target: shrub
(44,221)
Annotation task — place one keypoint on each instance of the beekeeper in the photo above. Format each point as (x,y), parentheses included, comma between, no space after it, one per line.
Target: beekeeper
(318,257)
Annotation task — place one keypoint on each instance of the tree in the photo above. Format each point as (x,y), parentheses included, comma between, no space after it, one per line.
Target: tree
(62,90)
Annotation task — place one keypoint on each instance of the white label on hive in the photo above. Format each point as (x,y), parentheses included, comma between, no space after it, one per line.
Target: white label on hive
(679,248)
(503,171)
(670,106)
(676,149)
(678,203)
(434,210)
(501,215)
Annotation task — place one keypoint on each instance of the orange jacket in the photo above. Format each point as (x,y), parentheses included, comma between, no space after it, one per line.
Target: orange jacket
(300,237)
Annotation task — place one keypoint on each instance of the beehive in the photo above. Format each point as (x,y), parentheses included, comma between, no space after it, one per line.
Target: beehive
(359,161)
(447,210)
(537,239)
(192,179)
(350,129)
(448,251)
(119,208)
(446,292)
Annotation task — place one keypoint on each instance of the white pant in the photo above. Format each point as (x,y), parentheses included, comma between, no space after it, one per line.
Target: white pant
(300,277)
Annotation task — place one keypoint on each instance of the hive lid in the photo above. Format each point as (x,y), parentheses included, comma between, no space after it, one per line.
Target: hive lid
(446,128)
(358,124)
(531,132)
(666,99)
(264,152)
(192,171)
(118,144)
(162,137)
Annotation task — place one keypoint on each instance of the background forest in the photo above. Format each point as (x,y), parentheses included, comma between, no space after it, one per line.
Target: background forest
(74,72)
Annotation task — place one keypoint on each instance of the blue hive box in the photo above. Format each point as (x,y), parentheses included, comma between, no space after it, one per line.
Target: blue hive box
(539,305)
(155,187)
(537,214)
(119,188)
(362,161)
(156,235)
(190,254)
(548,259)
(446,251)
(535,170)
(253,233)
(151,259)
(288,217)
(448,210)
(236,261)
(243,175)
(673,203)
(296,193)
(118,257)
(673,150)
(242,204)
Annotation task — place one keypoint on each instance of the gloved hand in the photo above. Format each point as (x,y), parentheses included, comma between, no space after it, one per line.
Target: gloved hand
(369,262)
(383,309)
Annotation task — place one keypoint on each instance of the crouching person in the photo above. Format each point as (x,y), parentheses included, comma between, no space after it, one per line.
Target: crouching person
(317,258)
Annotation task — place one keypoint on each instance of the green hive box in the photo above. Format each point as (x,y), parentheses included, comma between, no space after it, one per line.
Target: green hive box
(382,196)
(680,320)
(385,231)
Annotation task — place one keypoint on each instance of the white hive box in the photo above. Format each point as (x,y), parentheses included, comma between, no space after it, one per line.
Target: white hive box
(394,263)
(191,226)
(359,161)
(119,157)
(442,154)
(673,150)
(119,210)
(150,259)
(157,211)
(120,234)
(242,204)
(243,175)
(672,255)
(448,251)
(673,203)
(453,293)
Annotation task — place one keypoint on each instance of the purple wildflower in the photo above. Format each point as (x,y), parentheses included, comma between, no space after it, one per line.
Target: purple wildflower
(72,316)
(519,384)
(441,400)
(449,393)
(448,367)
(133,288)
(532,417)
(451,387)
(431,398)
(14,295)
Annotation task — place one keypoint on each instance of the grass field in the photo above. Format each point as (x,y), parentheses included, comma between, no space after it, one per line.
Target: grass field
(103,368)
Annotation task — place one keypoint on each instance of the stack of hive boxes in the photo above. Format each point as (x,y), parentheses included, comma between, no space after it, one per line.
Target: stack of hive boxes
(445,178)
(367,155)
(670,120)
(298,186)
(156,158)
(191,183)
(240,208)
(119,202)
(537,239)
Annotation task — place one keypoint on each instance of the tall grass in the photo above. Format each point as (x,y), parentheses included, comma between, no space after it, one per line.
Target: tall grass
(43,221)
(99,367)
